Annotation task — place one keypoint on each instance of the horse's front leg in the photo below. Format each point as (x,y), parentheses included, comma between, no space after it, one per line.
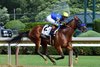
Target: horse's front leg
(70,48)
(60,51)
(76,54)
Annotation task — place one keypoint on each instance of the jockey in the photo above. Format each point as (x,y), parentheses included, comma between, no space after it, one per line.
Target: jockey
(56,19)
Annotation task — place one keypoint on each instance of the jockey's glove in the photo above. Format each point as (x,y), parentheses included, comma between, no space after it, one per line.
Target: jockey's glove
(57,23)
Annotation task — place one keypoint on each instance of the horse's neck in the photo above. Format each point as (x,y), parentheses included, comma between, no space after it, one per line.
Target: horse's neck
(70,29)
(72,24)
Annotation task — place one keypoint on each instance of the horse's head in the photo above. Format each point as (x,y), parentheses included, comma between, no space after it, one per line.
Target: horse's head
(81,26)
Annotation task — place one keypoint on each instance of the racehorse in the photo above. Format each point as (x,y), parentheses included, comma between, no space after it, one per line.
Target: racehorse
(62,39)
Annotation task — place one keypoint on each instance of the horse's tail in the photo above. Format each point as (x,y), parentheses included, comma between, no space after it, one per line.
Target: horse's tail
(18,38)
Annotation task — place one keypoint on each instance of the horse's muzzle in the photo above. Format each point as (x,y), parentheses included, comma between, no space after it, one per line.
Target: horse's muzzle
(84,29)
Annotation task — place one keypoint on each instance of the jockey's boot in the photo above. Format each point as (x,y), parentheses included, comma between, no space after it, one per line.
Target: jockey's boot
(52,33)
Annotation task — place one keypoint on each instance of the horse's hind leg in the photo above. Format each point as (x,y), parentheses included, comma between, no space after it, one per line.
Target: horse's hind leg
(45,51)
(37,47)
(38,51)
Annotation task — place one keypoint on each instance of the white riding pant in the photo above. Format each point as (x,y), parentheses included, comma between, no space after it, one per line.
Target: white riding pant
(50,20)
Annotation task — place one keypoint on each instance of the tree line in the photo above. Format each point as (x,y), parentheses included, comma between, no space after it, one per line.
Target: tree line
(38,9)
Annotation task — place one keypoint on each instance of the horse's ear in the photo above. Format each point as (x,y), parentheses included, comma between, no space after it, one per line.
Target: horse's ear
(76,18)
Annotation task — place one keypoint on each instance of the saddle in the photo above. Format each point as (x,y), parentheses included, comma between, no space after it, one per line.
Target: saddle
(46,33)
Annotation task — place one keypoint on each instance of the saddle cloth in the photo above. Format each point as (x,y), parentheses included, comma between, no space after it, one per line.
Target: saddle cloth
(46,30)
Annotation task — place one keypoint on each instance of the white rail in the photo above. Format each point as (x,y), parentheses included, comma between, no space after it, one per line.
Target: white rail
(74,39)
(74,45)
(86,38)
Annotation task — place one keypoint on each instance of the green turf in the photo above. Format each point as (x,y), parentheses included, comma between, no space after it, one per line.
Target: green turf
(35,60)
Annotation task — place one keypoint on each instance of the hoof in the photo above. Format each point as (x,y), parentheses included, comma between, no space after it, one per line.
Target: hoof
(76,60)
(9,65)
(46,62)
(54,58)
(54,63)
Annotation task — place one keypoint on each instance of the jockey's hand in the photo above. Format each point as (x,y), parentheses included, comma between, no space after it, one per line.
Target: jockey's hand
(63,23)
(57,23)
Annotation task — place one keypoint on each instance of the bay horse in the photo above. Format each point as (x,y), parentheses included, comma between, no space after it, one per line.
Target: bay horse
(62,39)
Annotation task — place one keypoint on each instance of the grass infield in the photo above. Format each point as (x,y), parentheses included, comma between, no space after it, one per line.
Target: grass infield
(37,61)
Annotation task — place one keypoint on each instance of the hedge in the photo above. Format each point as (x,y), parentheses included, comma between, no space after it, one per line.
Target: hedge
(22,27)
(90,33)
(30,25)
(52,51)
(15,25)
(96,25)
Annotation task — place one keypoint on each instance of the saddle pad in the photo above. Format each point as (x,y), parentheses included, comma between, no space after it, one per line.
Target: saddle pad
(46,30)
